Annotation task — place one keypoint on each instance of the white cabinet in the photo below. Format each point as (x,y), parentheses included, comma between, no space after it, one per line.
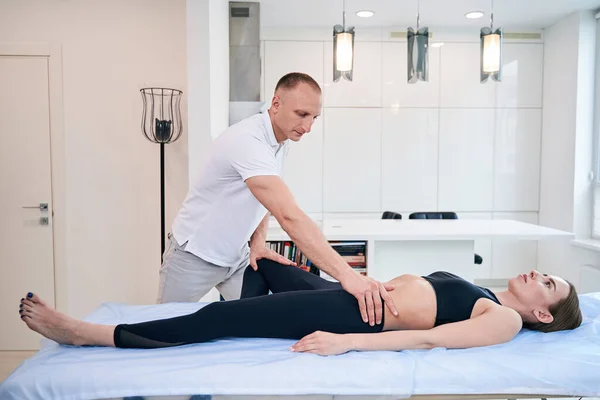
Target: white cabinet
(352,160)
(409,159)
(285,57)
(452,143)
(460,84)
(365,88)
(522,75)
(303,169)
(466,157)
(396,91)
(517,159)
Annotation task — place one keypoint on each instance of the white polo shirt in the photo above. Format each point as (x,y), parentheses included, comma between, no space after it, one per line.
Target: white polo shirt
(220,213)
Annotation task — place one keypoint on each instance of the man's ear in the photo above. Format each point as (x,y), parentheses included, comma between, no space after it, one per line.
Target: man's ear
(275,104)
(543,316)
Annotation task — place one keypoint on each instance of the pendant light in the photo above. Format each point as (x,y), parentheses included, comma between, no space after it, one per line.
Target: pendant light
(418,52)
(491,51)
(343,50)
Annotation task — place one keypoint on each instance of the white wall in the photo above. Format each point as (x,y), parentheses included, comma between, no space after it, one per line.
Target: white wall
(567,138)
(450,144)
(208,82)
(596,144)
(586,72)
(111,49)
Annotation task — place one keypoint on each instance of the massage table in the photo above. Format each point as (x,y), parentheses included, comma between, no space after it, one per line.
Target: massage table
(533,364)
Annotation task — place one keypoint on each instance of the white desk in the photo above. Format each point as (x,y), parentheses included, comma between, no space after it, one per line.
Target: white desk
(420,247)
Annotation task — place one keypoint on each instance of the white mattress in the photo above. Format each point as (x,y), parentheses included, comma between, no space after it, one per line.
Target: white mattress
(562,363)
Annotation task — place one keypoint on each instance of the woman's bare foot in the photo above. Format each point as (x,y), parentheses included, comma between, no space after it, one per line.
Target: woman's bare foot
(48,322)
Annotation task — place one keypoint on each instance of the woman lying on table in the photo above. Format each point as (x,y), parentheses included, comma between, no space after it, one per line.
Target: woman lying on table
(438,310)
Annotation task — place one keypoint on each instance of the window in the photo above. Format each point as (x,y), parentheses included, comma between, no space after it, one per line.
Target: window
(596,195)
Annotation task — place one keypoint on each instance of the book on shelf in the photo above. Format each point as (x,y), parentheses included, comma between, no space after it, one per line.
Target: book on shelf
(353,252)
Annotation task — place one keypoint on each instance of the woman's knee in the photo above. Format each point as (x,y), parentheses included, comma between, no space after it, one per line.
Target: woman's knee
(266,263)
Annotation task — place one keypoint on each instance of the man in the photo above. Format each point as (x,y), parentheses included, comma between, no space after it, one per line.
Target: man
(222,225)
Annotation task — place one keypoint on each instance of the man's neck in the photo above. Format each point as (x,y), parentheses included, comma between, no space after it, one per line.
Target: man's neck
(279,135)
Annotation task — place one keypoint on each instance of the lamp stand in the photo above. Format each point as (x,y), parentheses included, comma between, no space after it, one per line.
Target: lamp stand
(162,201)
(161,123)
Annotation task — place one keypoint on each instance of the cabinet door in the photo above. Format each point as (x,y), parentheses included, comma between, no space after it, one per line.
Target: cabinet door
(352,160)
(284,57)
(397,92)
(365,88)
(303,169)
(517,159)
(460,84)
(409,158)
(466,171)
(522,75)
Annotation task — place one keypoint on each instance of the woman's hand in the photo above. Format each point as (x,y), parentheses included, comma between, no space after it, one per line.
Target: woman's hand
(323,343)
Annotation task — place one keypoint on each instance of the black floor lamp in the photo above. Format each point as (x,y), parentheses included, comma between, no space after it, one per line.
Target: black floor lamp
(161,123)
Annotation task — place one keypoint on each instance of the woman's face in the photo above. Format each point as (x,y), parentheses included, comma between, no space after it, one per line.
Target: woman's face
(537,291)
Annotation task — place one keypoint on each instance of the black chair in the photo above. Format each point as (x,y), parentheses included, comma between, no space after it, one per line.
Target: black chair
(391,215)
(433,215)
(442,215)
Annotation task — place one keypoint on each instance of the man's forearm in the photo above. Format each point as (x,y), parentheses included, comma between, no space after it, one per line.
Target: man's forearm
(259,237)
(311,241)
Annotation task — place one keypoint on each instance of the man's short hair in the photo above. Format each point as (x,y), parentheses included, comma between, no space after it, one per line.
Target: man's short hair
(293,79)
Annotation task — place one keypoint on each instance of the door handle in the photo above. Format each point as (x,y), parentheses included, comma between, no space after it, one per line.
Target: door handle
(41,207)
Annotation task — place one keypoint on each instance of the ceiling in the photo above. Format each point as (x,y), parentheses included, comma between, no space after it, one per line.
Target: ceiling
(526,14)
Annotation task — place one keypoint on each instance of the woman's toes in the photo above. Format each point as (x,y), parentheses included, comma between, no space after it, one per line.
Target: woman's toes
(36,299)
(26,307)
(27,302)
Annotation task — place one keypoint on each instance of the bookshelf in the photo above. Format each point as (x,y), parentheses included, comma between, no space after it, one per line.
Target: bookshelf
(353,252)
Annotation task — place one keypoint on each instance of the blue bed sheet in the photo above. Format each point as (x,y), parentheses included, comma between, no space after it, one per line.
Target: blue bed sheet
(561,363)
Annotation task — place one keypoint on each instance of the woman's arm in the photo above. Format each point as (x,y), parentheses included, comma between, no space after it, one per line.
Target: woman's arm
(494,326)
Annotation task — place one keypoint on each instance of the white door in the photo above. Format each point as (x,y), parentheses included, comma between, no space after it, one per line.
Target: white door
(26,245)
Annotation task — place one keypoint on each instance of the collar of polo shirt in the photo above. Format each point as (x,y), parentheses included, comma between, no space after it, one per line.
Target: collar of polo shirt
(270,134)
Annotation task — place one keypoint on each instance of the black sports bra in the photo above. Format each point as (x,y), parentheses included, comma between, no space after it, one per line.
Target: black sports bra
(455,296)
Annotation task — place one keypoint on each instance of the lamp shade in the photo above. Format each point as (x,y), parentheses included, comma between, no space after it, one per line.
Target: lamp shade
(343,53)
(161,114)
(418,55)
(491,54)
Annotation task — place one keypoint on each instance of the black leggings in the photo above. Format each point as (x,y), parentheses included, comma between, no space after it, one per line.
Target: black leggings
(301,304)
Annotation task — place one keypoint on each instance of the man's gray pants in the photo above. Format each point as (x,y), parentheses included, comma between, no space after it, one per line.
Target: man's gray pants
(185,277)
